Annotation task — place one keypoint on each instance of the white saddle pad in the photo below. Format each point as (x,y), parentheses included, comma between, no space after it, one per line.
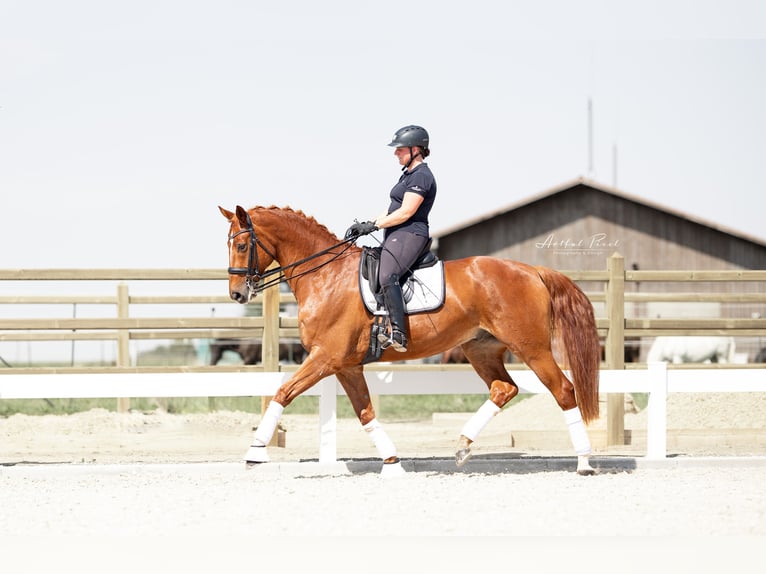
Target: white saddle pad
(424,290)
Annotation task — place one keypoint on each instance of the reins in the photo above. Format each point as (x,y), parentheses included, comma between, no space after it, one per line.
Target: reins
(253,276)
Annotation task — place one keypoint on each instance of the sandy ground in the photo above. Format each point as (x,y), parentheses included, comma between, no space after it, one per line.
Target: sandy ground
(78,477)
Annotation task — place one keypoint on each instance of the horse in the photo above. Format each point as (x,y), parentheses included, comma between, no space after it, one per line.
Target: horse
(490,306)
(250,350)
(692,350)
(456,356)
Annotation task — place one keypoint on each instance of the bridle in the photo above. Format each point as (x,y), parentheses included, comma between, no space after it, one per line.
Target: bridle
(254,277)
(252,272)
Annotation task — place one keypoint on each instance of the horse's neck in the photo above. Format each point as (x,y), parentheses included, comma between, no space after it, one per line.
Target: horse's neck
(310,282)
(292,235)
(296,238)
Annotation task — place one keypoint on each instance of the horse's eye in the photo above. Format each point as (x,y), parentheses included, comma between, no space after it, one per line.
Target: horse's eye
(241,247)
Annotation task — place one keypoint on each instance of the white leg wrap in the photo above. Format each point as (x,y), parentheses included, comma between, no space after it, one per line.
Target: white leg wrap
(577,431)
(392,470)
(256,454)
(268,424)
(386,448)
(479,420)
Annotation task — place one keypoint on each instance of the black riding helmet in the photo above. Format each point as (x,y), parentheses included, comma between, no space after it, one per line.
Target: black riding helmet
(412,136)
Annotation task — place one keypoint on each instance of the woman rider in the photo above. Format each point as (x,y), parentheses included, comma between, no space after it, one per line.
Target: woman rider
(405,225)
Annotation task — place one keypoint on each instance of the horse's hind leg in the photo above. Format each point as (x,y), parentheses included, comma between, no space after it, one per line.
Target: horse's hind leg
(353,382)
(486,357)
(563,391)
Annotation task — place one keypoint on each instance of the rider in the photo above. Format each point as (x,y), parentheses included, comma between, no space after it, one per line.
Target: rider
(405,225)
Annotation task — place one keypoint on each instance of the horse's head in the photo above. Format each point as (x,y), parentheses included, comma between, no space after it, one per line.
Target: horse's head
(248,256)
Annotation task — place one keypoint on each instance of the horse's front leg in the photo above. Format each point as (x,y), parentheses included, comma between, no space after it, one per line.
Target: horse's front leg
(353,382)
(309,373)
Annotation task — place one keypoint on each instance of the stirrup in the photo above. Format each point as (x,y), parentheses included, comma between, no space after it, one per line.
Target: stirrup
(399,341)
(396,339)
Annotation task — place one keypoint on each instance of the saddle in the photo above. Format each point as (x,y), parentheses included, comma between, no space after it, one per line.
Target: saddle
(422,289)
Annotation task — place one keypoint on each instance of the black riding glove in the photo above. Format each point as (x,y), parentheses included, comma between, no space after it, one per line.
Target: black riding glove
(361,228)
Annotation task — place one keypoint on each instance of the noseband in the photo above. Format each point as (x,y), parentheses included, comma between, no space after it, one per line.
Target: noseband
(252,272)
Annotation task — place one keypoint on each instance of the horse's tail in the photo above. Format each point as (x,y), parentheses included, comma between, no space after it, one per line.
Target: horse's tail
(574,324)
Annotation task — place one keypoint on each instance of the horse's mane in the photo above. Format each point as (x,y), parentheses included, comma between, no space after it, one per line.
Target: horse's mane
(299,215)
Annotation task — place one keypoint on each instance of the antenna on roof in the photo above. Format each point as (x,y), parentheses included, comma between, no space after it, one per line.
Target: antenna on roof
(590,138)
(614,165)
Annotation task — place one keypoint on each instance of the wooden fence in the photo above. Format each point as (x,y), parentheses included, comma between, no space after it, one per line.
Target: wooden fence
(122,328)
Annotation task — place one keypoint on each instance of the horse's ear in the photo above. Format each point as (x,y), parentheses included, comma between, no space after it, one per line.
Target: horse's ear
(243,217)
(226,213)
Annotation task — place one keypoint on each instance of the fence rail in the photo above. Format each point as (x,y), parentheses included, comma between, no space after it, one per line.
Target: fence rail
(620,286)
(614,327)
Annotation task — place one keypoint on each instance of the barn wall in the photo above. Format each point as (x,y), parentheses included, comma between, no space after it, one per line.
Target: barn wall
(579,227)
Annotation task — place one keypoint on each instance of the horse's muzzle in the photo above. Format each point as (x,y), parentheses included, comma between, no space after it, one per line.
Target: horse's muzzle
(239,296)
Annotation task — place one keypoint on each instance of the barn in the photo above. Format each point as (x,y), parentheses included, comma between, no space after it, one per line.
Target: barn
(579,224)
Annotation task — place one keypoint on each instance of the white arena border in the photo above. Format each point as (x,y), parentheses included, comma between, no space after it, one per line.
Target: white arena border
(657,380)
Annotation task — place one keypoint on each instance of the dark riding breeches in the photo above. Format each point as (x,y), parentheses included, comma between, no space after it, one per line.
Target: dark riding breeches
(400,250)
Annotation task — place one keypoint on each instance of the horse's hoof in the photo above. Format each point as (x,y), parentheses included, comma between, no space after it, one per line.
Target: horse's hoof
(462,456)
(392,470)
(256,454)
(583,466)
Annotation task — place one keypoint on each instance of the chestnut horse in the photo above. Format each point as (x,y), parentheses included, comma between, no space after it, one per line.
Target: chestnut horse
(491,305)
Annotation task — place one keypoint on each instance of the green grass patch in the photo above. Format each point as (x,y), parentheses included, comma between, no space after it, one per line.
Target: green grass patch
(641,400)
(390,407)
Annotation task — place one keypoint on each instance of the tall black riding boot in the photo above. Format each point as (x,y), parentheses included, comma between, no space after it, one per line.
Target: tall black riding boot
(394,301)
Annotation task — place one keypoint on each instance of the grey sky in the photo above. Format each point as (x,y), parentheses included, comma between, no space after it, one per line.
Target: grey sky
(124,124)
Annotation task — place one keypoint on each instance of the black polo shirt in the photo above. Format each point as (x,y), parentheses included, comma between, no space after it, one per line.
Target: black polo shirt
(421,181)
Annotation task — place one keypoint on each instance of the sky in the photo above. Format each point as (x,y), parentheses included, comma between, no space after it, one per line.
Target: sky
(123,125)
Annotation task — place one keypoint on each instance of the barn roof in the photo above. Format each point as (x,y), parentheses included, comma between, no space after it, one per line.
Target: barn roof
(582,181)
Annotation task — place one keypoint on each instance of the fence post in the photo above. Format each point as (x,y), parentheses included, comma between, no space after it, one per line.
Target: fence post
(123,340)
(657,412)
(270,349)
(328,421)
(270,343)
(614,351)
